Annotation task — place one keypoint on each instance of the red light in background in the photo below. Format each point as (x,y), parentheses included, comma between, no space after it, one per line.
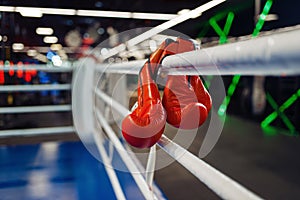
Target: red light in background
(11,72)
(20,71)
(2,80)
(33,72)
(27,76)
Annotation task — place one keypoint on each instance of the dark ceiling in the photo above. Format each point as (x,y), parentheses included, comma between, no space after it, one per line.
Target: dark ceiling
(21,29)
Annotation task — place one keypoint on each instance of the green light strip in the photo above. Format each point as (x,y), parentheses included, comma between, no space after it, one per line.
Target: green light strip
(256,31)
(269,119)
(223,39)
(279,112)
(282,108)
(208,81)
(230,91)
(262,18)
(216,27)
(222,33)
(227,27)
(228,23)
(290,101)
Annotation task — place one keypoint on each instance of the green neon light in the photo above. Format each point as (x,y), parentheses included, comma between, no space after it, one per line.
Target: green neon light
(287,122)
(230,91)
(272,101)
(208,81)
(269,119)
(290,101)
(216,27)
(256,31)
(222,33)
(228,23)
(282,108)
(271,131)
(262,18)
(223,39)
(279,112)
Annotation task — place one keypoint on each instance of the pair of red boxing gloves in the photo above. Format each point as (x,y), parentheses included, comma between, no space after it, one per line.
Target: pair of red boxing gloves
(185,103)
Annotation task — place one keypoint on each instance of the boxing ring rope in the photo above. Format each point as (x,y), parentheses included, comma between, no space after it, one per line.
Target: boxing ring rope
(36,131)
(38,108)
(19,88)
(276,54)
(40,67)
(35,109)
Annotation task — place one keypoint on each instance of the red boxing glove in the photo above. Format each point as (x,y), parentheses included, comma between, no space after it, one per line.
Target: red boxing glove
(145,125)
(185,98)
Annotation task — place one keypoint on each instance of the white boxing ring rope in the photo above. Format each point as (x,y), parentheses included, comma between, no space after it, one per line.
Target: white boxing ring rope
(35,109)
(39,108)
(36,131)
(132,67)
(276,54)
(222,185)
(18,88)
(40,67)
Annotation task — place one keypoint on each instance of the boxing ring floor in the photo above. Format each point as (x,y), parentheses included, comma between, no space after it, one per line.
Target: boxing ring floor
(57,170)
(64,169)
